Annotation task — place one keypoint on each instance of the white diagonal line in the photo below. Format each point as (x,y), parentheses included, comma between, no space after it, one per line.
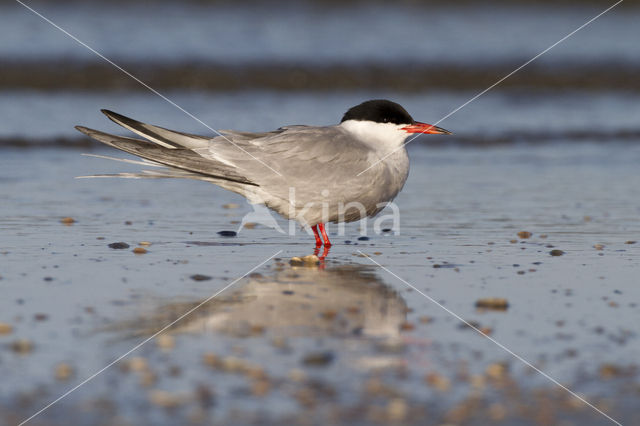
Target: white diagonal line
(190,311)
(500,345)
(499,81)
(145,85)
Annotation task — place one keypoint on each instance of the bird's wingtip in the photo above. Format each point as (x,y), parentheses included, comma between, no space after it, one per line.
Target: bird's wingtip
(83,129)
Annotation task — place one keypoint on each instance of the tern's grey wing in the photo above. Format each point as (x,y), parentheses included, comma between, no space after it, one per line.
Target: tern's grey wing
(315,165)
(180,158)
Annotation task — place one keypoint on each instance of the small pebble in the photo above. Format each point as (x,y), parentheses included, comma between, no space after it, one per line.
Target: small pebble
(630,242)
(165,341)
(164,399)
(22,346)
(227,233)
(260,387)
(296,261)
(556,252)
(233,364)
(494,303)
(318,358)
(5,328)
(119,246)
(397,410)
(200,277)
(524,234)
(496,371)
(250,225)
(438,381)
(230,206)
(148,378)
(329,314)
(139,250)
(363,238)
(406,326)
(137,363)
(212,360)
(598,246)
(308,261)
(63,371)
(40,317)
(144,243)
(67,220)
(297,375)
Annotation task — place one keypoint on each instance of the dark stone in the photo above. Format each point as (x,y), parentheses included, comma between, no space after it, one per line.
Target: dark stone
(119,246)
(318,358)
(199,277)
(227,233)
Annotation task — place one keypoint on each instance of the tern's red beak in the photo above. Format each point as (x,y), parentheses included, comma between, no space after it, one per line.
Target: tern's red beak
(419,127)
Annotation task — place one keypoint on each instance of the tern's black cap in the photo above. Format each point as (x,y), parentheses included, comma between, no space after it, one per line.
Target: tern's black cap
(379,111)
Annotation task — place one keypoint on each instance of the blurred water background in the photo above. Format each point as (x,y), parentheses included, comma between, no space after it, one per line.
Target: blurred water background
(257,66)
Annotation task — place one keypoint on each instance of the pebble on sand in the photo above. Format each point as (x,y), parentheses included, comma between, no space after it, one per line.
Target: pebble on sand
(497,371)
(164,399)
(139,250)
(5,328)
(119,245)
(598,246)
(397,410)
(230,206)
(309,261)
(212,360)
(22,346)
(250,225)
(406,326)
(630,242)
(144,243)
(63,371)
(438,381)
(200,277)
(524,234)
(556,252)
(318,358)
(227,233)
(67,221)
(165,341)
(137,364)
(493,303)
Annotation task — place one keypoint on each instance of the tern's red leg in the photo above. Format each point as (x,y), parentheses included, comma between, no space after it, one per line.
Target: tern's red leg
(315,233)
(325,237)
(321,257)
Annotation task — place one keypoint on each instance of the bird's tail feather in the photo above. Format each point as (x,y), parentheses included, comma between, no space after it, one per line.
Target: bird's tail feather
(159,135)
(181,159)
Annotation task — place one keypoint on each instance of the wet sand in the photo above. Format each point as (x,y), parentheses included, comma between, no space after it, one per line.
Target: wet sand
(341,342)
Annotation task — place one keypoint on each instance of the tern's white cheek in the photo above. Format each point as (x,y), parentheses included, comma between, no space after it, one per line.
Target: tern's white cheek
(380,136)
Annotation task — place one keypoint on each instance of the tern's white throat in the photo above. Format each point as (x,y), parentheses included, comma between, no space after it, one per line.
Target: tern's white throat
(382,137)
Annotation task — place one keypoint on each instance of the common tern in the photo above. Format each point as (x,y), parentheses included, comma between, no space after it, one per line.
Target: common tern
(312,174)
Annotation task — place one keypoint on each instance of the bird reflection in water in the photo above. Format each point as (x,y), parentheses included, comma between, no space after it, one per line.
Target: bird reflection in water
(309,300)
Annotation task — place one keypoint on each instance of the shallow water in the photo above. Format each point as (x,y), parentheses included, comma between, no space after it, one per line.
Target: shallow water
(358,326)
(553,151)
